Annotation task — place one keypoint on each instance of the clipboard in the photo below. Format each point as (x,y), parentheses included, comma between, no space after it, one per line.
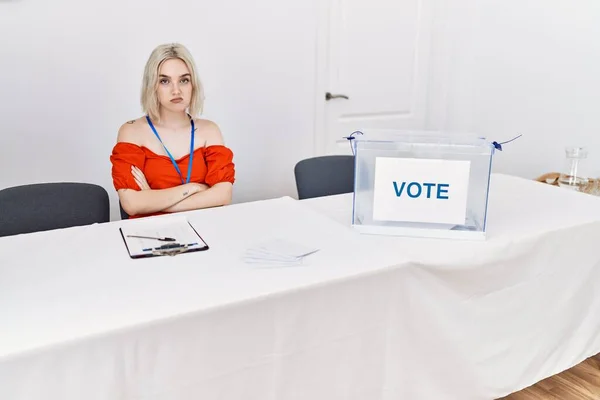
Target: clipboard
(161,237)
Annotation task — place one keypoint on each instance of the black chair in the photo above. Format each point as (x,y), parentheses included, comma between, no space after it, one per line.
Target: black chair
(324,176)
(124,215)
(45,206)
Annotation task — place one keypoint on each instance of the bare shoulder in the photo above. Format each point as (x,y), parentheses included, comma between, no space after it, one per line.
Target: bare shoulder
(131,131)
(209,132)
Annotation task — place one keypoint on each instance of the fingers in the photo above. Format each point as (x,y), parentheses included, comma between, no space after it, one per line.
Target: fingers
(139,178)
(137,173)
(135,170)
(140,185)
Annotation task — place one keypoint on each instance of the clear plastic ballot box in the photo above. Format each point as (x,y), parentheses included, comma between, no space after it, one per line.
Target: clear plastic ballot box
(421,184)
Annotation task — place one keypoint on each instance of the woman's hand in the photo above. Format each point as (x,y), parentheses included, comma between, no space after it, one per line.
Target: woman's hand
(140,178)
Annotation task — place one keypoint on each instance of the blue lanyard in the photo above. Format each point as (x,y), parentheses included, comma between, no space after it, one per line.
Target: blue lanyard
(171,157)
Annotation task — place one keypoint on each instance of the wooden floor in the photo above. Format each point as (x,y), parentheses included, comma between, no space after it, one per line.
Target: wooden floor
(582,382)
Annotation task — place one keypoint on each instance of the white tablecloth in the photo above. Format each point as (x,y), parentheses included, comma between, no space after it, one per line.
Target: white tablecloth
(367,317)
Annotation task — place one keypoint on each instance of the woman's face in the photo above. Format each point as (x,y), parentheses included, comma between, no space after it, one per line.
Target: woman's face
(174,85)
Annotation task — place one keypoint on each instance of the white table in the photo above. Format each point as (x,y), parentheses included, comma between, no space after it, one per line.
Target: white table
(367,317)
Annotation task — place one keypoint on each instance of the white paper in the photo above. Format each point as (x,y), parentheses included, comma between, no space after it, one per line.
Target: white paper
(278,252)
(285,248)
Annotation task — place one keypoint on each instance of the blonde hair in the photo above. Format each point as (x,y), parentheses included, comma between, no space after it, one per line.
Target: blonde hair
(162,53)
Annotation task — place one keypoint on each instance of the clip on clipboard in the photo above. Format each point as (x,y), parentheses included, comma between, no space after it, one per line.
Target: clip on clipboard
(161,237)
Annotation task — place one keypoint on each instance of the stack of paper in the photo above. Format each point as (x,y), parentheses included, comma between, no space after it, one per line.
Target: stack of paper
(278,253)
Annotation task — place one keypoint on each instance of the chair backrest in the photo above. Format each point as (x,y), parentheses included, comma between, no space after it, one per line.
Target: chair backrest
(124,215)
(45,206)
(324,176)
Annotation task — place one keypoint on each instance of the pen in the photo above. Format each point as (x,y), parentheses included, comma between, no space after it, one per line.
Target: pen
(169,246)
(163,239)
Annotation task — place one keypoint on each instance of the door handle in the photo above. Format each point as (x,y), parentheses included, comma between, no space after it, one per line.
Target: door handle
(329,96)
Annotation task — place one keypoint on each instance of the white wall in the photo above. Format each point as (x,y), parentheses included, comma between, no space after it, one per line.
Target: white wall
(71,73)
(531,67)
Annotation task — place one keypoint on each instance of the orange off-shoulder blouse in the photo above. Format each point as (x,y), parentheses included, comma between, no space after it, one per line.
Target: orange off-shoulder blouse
(211,165)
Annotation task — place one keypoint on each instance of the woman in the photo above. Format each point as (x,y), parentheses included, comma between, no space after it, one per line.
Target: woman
(169,160)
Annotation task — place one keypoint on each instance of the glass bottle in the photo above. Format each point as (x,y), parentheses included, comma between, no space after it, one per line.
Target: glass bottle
(574,175)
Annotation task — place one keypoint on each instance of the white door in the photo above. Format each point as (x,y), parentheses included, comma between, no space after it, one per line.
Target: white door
(373,68)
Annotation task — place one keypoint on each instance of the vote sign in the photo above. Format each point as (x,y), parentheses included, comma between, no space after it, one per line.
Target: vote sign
(421,190)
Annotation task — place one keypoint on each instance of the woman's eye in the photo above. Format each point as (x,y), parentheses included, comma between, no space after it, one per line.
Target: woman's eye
(185,80)
(164,81)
